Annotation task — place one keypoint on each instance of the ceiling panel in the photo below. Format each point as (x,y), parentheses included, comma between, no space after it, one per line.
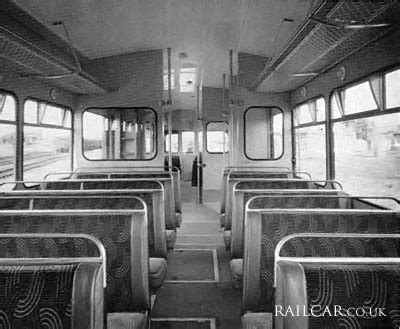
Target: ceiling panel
(204,29)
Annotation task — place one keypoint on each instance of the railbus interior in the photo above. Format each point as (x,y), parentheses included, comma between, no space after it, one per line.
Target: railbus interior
(199,164)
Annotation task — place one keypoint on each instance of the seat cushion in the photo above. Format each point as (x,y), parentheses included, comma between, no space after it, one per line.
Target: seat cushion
(257,321)
(227,239)
(170,237)
(127,320)
(236,267)
(157,272)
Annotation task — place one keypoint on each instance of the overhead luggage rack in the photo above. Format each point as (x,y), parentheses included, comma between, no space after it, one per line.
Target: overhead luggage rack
(332,32)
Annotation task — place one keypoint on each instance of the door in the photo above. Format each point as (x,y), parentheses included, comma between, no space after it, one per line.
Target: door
(215,153)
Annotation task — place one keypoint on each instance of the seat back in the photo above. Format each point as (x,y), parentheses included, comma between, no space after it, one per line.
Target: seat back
(123,234)
(264,228)
(249,173)
(170,181)
(276,199)
(364,282)
(270,183)
(99,199)
(57,292)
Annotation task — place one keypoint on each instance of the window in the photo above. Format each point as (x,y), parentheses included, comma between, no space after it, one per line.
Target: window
(355,99)
(311,112)
(119,134)
(166,79)
(200,140)
(310,144)
(149,137)
(174,142)
(392,87)
(8,137)
(187,141)
(217,135)
(367,160)
(47,139)
(358,98)
(367,148)
(187,80)
(263,133)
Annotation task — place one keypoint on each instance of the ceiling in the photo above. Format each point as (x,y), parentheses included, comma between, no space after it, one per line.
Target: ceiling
(204,29)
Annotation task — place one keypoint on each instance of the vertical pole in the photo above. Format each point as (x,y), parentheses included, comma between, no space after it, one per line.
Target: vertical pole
(224,116)
(169,112)
(199,163)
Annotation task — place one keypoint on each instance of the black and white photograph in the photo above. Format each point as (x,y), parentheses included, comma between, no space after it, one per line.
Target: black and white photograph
(199,164)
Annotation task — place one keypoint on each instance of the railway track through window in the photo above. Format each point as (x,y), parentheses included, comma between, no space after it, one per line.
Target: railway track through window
(8,133)
(309,135)
(47,139)
(367,140)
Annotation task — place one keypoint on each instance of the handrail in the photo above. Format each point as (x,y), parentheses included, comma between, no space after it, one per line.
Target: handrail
(310,195)
(284,169)
(108,174)
(372,260)
(249,179)
(271,172)
(41,260)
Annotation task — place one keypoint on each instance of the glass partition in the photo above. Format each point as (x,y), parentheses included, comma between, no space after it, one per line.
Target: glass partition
(263,136)
(119,134)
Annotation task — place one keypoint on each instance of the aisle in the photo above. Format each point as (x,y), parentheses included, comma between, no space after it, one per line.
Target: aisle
(198,292)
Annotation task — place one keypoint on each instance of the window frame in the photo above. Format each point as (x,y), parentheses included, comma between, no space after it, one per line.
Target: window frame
(312,124)
(119,108)
(38,100)
(22,118)
(384,73)
(220,121)
(17,156)
(244,132)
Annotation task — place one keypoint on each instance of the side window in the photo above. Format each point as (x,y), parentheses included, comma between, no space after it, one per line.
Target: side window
(217,137)
(309,137)
(174,143)
(263,135)
(392,88)
(47,139)
(366,148)
(8,136)
(187,141)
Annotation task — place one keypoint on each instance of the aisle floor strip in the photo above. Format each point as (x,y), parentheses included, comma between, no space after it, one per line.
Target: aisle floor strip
(215,263)
(211,320)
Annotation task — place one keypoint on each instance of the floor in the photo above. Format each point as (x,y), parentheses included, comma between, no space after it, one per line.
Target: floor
(198,292)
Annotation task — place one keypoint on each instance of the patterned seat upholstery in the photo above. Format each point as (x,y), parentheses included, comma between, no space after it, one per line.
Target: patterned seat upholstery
(248,183)
(15,203)
(274,225)
(290,199)
(332,294)
(121,233)
(131,200)
(51,296)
